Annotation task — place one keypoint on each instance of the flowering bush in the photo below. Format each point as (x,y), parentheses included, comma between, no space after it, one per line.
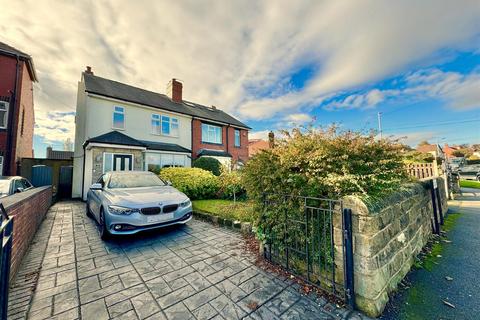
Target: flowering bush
(196,183)
(322,162)
(231,186)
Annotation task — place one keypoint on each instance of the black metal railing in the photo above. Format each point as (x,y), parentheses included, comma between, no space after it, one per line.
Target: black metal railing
(6,236)
(301,238)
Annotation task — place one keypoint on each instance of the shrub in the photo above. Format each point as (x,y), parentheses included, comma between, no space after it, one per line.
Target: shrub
(321,162)
(196,183)
(209,164)
(231,185)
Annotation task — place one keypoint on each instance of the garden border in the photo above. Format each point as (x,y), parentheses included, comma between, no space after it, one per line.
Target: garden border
(236,225)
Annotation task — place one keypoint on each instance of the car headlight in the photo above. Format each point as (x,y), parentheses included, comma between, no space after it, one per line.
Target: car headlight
(121,210)
(185,203)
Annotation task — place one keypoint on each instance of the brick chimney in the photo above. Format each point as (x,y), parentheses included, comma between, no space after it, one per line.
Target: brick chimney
(174,90)
(271,140)
(88,70)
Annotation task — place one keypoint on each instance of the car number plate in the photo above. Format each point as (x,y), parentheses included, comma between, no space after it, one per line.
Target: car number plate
(160,217)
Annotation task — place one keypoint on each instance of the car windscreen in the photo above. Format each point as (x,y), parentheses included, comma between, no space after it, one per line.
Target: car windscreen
(4,187)
(134,180)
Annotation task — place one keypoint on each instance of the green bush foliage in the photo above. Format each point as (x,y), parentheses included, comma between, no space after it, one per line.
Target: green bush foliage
(231,185)
(196,183)
(326,162)
(209,164)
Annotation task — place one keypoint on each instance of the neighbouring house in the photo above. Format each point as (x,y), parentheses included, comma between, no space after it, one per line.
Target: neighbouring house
(257,145)
(17,74)
(121,127)
(449,150)
(59,154)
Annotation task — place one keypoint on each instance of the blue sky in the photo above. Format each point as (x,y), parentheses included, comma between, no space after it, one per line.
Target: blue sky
(272,66)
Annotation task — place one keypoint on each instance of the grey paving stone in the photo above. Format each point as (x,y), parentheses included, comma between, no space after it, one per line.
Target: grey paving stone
(202,297)
(120,308)
(227,308)
(176,296)
(205,312)
(158,287)
(228,288)
(178,312)
(145,305)
(95,310)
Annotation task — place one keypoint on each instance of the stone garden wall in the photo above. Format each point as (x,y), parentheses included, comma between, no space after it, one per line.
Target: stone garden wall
(387,235)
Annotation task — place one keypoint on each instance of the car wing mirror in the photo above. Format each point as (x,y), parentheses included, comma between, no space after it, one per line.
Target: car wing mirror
(169,183)
(96,186)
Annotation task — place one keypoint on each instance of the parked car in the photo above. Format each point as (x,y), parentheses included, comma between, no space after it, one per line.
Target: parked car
(12,185)
(469,172)
(126,202)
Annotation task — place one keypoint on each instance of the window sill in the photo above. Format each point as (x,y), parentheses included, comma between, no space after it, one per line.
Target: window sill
(164,135)
(120,129)
(214,143)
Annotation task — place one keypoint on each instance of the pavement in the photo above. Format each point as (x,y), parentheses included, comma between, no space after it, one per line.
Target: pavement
(197,271)
(459,260)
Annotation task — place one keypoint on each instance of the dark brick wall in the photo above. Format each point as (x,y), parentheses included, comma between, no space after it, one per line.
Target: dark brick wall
(28,210)
(238,153)
(22,145)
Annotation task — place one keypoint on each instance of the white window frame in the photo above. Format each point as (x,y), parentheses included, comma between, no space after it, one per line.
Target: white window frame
(212,128)
(235,132)
(161,154)
(1,165)
(171,120)
(119,112)
(120,154)
(5,106)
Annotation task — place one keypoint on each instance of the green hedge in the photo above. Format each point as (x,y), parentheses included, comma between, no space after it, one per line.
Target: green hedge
(196,183)
(209,164)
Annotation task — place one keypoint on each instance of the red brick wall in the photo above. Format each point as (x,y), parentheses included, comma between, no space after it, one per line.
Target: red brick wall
(240,153)
(28,210)
(22,145)
(24,142)
(7,84)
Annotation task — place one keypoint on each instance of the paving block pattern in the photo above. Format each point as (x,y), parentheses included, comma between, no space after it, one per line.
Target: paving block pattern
(196,271)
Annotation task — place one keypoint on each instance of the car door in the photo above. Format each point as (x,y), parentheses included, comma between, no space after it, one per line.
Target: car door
(96,198)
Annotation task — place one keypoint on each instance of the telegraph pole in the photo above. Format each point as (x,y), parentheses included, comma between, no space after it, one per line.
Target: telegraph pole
(380,124)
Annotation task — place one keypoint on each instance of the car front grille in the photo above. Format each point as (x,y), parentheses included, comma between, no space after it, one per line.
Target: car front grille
(151,210)
(170,208)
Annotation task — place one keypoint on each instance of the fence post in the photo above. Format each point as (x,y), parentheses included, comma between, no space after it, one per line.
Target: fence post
(348,258)
(6,238)
(436,229)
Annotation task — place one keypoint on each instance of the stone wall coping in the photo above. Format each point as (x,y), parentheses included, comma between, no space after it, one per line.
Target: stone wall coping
(18,198)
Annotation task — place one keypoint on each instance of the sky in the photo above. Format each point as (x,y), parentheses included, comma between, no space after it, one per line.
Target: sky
(272,64)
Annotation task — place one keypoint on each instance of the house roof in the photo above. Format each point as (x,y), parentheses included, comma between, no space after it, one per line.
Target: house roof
(59,154)
(427,148)
(9,50)
(121,91)
(153,145)
(118,138)
(115,137)
(213,153)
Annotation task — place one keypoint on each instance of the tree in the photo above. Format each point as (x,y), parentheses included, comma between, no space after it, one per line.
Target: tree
(423,143)
(458,153)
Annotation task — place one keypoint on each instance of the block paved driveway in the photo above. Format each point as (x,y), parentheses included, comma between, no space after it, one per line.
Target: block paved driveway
(197,271)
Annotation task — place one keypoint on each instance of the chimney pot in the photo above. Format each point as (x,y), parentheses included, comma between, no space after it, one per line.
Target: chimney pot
(174,90)
(89,70)
(214,108)
(271,140)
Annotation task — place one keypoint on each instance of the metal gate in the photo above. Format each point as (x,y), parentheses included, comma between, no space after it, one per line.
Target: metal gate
(312,239)
(6,234)
(65,182)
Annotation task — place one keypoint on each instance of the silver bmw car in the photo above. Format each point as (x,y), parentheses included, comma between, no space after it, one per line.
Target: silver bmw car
(126,202)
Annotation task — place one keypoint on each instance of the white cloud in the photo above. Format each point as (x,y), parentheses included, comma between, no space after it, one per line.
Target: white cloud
(413,138)
(234,54)
(259,135)
(298,118)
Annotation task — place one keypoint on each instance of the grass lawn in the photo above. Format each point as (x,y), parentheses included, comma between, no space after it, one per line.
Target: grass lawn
(242,210)
(469,184)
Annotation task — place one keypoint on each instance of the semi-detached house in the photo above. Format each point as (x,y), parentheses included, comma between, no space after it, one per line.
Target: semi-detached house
(121,127)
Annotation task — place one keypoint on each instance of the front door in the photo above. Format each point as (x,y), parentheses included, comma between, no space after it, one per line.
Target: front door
(122,162)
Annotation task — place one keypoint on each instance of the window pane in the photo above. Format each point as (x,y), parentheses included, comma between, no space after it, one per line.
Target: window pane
(107,162)
(155,126)
(153,162)
(118,120)
(179,161)
(167,160)
(237,138)
(119,109)
(3,119)
(165,125)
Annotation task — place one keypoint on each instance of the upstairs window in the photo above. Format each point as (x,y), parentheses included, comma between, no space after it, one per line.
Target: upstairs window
(237,138)
(118,117)
(156,125)
(164,125)
(3,114)
(211,133)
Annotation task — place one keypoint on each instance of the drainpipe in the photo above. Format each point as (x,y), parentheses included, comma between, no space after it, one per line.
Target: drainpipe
(83,172)
(10,129)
